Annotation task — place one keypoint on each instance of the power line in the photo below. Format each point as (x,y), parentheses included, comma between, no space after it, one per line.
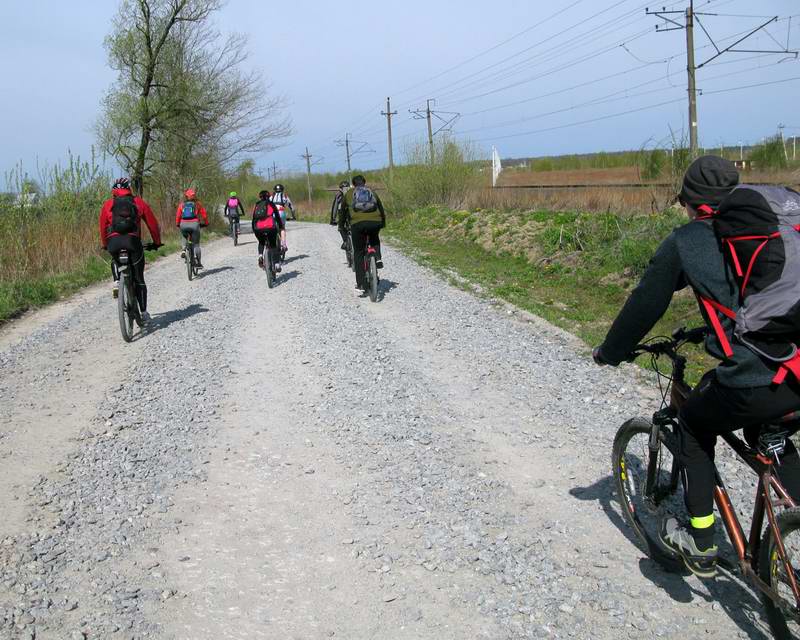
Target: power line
(490,49)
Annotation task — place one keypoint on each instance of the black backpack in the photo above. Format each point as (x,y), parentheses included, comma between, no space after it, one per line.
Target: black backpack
(364,201)
(124,215)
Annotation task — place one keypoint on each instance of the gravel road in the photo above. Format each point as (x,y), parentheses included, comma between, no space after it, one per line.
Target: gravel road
(303,463)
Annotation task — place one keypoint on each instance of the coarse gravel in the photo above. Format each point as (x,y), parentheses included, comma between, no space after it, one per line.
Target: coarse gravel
(301,462)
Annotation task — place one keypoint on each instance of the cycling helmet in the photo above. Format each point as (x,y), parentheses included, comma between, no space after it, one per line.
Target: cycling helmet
(233,194)
(278,188)
(190,193)
(122,183)
(263,195)
(344,184)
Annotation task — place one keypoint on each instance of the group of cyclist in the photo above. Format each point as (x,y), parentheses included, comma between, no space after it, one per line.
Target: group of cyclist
(123,214)
(739,393)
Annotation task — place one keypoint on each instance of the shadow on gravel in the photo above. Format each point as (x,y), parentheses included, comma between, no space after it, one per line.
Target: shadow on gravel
(732,593)
(603,492)
(159,321)
(385,286)
(299,256)
(285,276)
(211,272)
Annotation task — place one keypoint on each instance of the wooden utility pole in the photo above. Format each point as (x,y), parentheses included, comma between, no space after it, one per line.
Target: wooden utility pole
(389,113)
(430,131)
(691,70)
(274,170)
(308,157)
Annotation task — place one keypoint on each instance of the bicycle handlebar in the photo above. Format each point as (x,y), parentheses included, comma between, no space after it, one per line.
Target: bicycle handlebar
(669,346)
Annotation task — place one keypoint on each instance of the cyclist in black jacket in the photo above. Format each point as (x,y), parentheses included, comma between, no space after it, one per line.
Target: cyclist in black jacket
(737,393)
(338,216)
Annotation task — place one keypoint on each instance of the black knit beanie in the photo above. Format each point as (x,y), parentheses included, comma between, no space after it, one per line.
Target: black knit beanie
(708,180)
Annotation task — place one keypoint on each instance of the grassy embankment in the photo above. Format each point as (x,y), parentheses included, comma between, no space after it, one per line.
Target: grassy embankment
(575,270)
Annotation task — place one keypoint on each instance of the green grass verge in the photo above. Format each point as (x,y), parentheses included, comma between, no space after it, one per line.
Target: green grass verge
(18,297)
(574,270)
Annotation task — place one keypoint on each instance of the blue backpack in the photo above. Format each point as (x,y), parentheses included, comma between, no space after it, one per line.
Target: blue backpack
(189,211)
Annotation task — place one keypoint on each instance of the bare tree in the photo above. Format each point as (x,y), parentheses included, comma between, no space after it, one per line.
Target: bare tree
(181,97)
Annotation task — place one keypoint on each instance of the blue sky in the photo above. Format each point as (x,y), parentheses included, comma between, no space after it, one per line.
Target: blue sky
(523,74)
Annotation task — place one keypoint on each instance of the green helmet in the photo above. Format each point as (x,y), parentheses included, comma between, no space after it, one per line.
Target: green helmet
(233,194)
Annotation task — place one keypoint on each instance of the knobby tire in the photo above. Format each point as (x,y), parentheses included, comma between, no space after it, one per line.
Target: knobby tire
(772,571)
(373,278)
(269,268)
(125,319)
(190,261)
(349,252)
(629,463)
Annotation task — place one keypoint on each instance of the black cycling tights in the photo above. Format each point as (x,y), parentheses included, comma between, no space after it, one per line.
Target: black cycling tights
(712,410)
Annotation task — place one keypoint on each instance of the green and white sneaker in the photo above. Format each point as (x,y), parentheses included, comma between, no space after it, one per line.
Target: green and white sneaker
(677,538)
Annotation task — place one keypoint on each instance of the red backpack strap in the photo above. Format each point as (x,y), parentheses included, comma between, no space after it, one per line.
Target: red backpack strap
(705,212)
(790,366)
(712,310)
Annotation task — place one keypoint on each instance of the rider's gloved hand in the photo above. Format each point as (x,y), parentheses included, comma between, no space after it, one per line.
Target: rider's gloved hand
(597,356)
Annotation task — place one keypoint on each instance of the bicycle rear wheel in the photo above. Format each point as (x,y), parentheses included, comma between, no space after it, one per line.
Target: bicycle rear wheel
(125,317)
(235,234)
(269,268)
(190,261)
(373,278)
(648,485)
(349,251)
(782,615)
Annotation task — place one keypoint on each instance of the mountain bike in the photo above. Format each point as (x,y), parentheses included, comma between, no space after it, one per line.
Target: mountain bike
(127,302)
(192,268)
(371,278)
(233,221)
(646,474)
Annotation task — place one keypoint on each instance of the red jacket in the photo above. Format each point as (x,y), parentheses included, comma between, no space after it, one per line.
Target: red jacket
(199,208)
(144,210)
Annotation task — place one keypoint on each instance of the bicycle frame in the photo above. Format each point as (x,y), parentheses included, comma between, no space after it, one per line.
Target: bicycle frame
(746,547)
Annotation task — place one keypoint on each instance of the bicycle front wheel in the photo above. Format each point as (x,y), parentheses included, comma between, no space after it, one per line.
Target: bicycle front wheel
(235,235)
(782,614)
(648,486)
(123,302)
(373,278)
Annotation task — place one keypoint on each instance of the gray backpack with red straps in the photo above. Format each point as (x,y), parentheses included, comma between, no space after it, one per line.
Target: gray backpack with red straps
(758,227)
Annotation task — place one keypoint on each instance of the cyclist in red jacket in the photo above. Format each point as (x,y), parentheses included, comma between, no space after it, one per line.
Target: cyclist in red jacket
(190,216)
(121,228)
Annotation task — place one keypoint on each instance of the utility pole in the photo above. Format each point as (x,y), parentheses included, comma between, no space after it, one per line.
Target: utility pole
(430,130)
(672,24)
(308,157)
(428,114)
(274,170)
(691,70)
(389,113)
(348,143)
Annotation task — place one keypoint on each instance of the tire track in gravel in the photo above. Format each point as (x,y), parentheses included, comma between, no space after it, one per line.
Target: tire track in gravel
(284,479)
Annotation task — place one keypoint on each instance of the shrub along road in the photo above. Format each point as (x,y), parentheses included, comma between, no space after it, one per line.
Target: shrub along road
(302,463)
